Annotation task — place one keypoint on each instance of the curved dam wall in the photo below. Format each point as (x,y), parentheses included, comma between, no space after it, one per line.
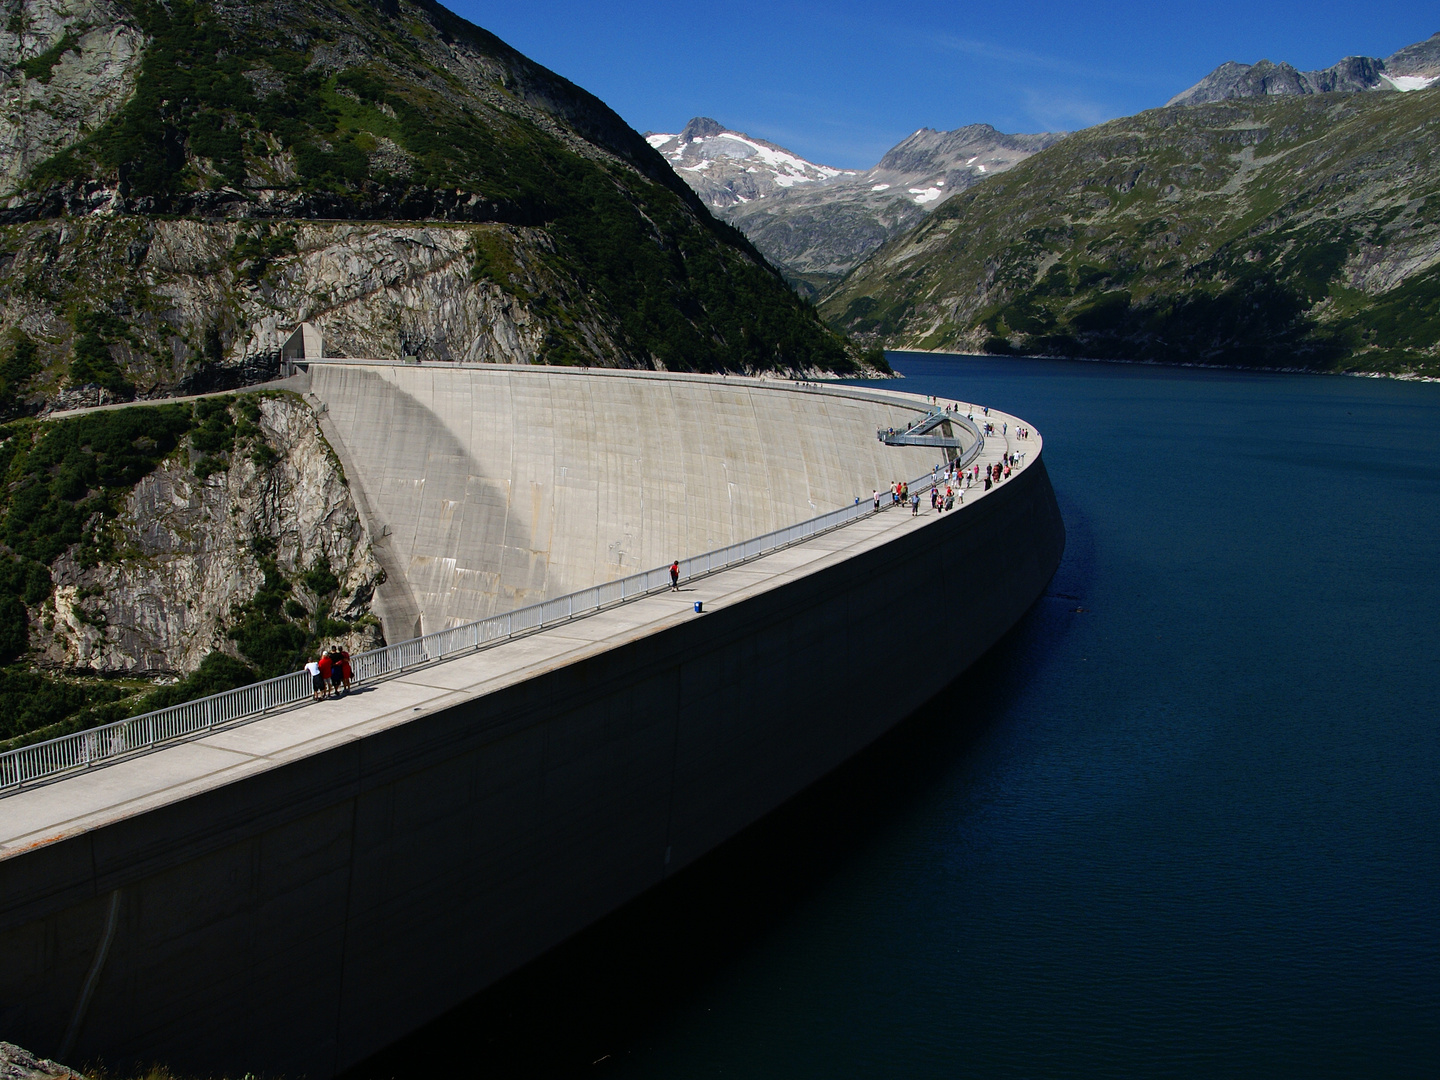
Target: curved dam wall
(496,487)
(296,915)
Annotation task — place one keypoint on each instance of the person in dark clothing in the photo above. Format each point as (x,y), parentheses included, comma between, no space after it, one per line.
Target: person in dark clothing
(675,576)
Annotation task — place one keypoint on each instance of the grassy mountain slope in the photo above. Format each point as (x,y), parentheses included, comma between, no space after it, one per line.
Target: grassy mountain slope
(572,231)
(1283,232)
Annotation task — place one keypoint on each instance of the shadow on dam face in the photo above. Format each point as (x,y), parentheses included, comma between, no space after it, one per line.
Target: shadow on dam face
(600,992)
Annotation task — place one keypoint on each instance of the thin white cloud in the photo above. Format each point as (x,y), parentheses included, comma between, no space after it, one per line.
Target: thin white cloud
(1024,58)
(1059,111)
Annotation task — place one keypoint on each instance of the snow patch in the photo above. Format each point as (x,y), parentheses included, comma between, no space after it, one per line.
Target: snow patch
(1405,83)
(980,168)
(658,141)
(881,187)
(926,195)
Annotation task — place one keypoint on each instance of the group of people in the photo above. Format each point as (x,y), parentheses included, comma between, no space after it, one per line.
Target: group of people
(330,672)
(941,503)
(955,481)
(899,494)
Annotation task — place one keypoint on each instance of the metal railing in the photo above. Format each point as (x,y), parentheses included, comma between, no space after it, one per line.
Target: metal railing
(106,743)
(917,434)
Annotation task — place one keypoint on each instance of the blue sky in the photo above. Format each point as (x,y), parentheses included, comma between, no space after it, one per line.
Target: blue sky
(842,82)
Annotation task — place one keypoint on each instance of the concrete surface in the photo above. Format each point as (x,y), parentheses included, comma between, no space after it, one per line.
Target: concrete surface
(493,486)
(294,893)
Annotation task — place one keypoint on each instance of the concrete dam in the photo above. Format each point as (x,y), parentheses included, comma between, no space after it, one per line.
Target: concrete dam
(292,893)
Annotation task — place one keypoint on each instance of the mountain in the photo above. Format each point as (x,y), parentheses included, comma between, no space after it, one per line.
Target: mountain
(815,222)
(726,168)
(1284,231)
(1412,68)
(185,182)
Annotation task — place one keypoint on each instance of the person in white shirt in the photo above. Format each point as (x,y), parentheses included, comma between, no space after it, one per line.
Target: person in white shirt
(316,679)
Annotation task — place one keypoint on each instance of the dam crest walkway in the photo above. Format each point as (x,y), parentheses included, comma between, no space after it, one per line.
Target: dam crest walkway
(80,800)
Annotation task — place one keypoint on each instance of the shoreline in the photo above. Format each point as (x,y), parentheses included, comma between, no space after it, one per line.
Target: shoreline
(1397,376)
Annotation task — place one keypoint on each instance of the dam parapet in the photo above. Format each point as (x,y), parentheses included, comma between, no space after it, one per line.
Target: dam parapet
(293,893)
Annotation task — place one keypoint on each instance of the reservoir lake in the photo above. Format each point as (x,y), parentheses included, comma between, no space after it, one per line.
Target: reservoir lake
(1184,820)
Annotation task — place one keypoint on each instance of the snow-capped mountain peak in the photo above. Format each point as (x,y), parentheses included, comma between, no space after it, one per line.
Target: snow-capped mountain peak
(728,167)
(813,221)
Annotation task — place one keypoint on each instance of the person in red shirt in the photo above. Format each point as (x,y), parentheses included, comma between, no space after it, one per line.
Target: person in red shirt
(325,665)
(675,576)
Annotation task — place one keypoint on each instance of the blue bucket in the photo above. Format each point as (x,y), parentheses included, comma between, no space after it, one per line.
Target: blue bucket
(698,605)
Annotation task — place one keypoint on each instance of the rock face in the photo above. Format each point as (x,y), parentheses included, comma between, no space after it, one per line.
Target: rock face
(20,1064)
(1418,61)
(1412,68)
(385,291)
(815,222)
(187,555)
(66,66)
(205,311)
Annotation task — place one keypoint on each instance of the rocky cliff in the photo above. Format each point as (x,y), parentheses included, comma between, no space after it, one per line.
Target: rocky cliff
(17,1063)
(71,65)
(186,555)
(191,305)
(212,543)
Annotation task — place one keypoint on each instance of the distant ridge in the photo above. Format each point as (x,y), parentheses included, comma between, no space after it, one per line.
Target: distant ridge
(1414,67)
(1284,231)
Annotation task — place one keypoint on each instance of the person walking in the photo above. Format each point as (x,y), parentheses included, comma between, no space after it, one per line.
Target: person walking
(675,576)
(317,681)
(915,504)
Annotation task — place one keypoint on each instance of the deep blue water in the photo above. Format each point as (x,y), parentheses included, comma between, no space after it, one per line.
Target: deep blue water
(1183,821)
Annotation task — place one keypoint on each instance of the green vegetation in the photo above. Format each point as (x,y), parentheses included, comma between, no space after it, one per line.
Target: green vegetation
(42,67)
(20,365)
(625,246)
(216,673)
(64,482)
(1273,232)
(93,362)
(44,706)
(274,630)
